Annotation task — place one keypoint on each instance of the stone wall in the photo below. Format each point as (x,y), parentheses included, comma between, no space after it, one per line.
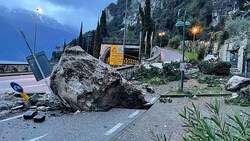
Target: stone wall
(235,44)
(12,68)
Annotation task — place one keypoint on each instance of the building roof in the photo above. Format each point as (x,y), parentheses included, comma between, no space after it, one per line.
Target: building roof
(3,62)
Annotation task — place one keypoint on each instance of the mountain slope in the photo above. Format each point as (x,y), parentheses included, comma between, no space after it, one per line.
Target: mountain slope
(49,35)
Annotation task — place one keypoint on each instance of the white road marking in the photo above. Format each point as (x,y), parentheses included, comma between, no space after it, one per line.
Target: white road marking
(9,89)
(134,114)
(18,79)
(113,129)
(152,100)
(7,119)
(38,138)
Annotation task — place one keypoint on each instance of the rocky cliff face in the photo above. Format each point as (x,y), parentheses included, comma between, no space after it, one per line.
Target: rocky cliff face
(164,12)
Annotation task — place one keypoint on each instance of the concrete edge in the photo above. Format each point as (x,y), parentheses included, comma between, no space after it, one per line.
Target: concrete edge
(200,95)
(15,74)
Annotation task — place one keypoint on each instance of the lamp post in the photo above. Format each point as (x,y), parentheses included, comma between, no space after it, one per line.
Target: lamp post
(124,33)
(195,30)
(38,10)
(183,23)
(161,34)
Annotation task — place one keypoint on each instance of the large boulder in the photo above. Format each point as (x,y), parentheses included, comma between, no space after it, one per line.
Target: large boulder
(88,84)
(236,83)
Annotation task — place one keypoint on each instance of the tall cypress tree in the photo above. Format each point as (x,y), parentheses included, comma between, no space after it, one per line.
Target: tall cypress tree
(147,24)
(97,43)
(92,42)
(80,38)
(103,25)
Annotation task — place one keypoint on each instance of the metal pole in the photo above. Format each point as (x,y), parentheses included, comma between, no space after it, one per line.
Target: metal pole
(151,44)
(183,47)
(140,49)
(161,40)
(124,33)
(41,71)
(146,43)
(35,32)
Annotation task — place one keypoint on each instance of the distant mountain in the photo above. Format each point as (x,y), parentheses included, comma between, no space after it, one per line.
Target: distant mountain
(49,35)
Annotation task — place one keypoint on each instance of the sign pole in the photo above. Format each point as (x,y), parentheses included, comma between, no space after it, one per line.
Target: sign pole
(140,49)
(41,71)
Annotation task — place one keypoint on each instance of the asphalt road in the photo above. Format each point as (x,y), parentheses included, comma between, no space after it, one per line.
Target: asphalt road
(170,55)
(28,82)
(91,126)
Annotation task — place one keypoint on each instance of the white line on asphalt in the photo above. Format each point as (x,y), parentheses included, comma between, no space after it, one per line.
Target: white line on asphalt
(18,79)
(8,89)
(152,100)
(134,114)
(38,138)
(7,119)
(113,129)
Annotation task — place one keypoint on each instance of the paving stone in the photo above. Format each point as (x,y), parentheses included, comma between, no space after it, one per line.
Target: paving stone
(39,118)
(30,114)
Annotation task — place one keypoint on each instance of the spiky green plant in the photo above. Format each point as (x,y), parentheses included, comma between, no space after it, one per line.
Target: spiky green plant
(214,127)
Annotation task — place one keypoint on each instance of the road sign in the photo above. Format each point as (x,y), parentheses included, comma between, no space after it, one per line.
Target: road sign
(116,55)
(44,64)
(16,87)
(182,67)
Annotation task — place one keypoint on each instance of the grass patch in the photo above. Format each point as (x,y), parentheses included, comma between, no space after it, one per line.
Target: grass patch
(189,55)
(207,90)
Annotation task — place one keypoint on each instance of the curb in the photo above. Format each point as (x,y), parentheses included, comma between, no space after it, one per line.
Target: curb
(15,74)
(200,95)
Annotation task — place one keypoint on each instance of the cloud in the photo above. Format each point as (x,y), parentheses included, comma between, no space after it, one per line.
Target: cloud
(67,12)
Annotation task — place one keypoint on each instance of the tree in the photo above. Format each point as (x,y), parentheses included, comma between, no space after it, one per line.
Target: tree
(147,23)
(103,25)
(98,41)
(100,33)
(80,38)
(92,43)
(241,4)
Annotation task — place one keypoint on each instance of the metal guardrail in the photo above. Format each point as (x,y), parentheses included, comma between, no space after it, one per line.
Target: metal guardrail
(125,67)
(156,56)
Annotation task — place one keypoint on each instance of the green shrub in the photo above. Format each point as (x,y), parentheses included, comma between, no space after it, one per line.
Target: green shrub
(172,71)
(222,68)
(175,41)
(201,51)
(217,68)
(206,67)
(194,62)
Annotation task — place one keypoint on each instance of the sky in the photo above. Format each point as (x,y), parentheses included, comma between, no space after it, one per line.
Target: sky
(66,12)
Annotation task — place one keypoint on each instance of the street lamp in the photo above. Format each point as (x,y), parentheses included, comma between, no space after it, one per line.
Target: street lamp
(195,30)
(183,23)
(124,33)
(161,34)
(38,10)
